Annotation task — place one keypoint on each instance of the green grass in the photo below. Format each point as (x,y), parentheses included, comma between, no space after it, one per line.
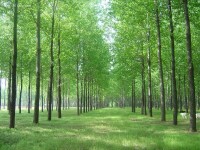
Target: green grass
(109,128)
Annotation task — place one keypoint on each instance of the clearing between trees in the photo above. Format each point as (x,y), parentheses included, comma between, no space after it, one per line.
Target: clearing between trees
(108,128)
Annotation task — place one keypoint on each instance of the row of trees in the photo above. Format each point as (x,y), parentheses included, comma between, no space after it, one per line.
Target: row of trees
(101,52)
(65,44)
(154,52)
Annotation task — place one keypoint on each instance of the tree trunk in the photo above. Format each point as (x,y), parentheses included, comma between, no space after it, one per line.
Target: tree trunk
(50,90)
(38,68)
(59,77)
(133,95)
(180,95)
(162,90)
(68,98)
(29,92)
(81,106)
(42,93)
(4,101)
(84,96)
(14,68)
(52,103)
(190,69)
(171,102)
(173,65)
(149,74)
(20,93)
(63,96)
(77,82)
(9,84)
(91,94)
(185,95)
(143,111)
(88,95)
(142,74)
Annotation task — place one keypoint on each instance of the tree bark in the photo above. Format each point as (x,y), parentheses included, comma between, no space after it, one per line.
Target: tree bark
(77,82)
(9,84)
(29,91)
(81,106)
(59,76)
(14,68)
(133,95)
(38,68)
(69,92)
(173,65)
(20,93)
(63,96)
(185,95)
(91,94)
(162,90)
(179,94)
(4,103)
(149,74)
(143,111)
(84,96)
(42,93)
(88,95)
(50,90)
(190,69)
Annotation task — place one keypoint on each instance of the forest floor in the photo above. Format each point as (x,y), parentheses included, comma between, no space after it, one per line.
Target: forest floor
(104,129)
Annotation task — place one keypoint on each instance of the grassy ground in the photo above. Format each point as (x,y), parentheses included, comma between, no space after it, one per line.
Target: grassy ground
(101,130)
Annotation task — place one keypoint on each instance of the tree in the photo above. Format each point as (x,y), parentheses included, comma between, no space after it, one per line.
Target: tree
(190,69)
(162,90)
(174,90)
(149,71)
(14,68)
(59,76)
(21,87)
(38,67)
(133,95)
(50,90)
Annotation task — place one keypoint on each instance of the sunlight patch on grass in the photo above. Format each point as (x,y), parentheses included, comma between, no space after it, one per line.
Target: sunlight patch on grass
(88,137)
(3,128)
(112,117)
(42,130)
(126,143)
(102,129)
(172,141)
(169,131)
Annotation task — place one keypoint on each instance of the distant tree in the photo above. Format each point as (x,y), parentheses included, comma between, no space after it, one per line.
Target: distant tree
(133,95)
